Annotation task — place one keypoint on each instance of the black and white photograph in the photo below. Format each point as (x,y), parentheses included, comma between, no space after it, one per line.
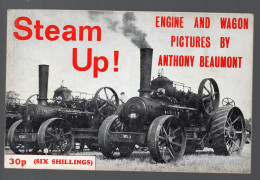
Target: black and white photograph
(129,91)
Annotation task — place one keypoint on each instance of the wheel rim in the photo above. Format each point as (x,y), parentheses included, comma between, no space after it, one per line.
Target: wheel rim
(171,141)
(21,147)
(116,126)
(56,137)
(234,133)
(108,148)
(106,101)
(30,100)
(125,150)
(228,102)
(209,93)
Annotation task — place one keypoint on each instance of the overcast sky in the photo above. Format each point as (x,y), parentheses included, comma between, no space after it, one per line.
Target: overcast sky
(23,57)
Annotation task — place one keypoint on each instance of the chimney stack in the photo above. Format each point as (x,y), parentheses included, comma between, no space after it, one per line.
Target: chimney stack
(145,74)
(43,84)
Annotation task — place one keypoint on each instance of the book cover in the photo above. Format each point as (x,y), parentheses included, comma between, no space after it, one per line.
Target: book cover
(129,91)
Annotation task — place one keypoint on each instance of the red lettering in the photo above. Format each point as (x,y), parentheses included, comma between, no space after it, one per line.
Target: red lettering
(239,62)
(96,67)
(75,63)
(208,42)
(206,61)
(52,32)
(165,60)
(202,42)
(169,21)
(223,22)
(72,33)
(207,25)
(160,61)
(196,24)
(181,22)
(157,21)
(224,42)
(23,28)
(245,23)
(90,32)
(202,22)
(190,41)
(38,28)
(49,32)
(181,43)
(172,40)
(201,61)
(162,21)
(234,23)
(197,41)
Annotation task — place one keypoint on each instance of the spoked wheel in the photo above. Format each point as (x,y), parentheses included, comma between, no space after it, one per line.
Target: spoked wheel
(108,148)
(106,101)
(31,100)
(166,139)
(21,147)
(228,102)
(228,131)
(55,136)
(209,96)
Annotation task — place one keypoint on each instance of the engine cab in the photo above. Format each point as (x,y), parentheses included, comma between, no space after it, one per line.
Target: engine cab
(62,94)
(163,86)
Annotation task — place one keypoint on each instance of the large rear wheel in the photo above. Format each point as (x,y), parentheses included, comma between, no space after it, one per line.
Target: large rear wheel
(228,131)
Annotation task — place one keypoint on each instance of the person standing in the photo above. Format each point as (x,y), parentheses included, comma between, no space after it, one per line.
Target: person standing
(123,98)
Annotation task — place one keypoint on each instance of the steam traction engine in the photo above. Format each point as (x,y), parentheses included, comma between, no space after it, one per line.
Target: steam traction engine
(52,127)
(172,122)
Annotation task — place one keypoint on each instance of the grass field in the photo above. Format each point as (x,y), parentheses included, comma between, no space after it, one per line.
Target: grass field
(201,162)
